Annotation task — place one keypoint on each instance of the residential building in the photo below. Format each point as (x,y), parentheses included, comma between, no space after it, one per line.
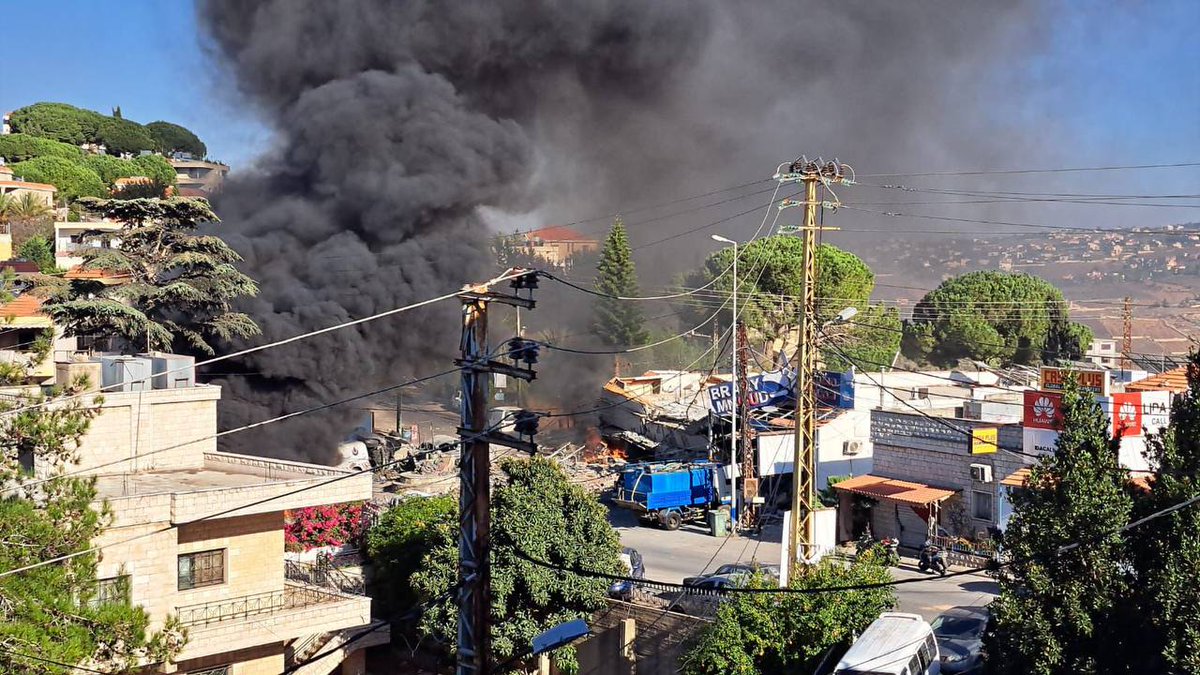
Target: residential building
(198,533)
(929,477)
(198,178)
(69,240)
(667,407)
(1104,353)
(15,186)
(556,244)
(24,327)
(843,448)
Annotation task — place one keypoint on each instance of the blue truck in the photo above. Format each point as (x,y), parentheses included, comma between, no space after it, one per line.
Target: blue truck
(671,493)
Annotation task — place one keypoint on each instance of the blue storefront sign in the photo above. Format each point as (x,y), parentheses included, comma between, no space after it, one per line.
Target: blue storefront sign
(768,389)
(835,390)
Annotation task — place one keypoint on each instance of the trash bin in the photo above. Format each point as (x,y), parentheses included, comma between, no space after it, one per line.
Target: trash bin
(718,522)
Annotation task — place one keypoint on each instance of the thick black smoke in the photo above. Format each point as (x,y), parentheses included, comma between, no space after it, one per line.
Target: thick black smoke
(397,121)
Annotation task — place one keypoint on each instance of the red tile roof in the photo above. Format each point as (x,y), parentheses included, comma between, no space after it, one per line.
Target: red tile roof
(1172,380)
(556,233)
(26,305)
(879,487)
(26,185)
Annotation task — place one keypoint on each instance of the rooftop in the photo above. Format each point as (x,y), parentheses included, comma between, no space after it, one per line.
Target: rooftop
(214,474)
(557,233)
(26,185)
(26,305)
(1172,380)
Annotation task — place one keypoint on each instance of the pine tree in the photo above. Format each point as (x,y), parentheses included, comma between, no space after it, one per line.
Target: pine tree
(617,322)
(180,284)
(1056,611)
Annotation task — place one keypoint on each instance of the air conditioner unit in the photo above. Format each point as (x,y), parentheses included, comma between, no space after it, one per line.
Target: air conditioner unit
(851,447)
(981,473)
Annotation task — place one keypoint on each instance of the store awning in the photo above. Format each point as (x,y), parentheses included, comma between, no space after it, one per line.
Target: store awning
(878,487)
(1017,479)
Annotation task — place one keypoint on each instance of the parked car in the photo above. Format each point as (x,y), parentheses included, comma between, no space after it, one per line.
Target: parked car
(959,632)
(742,568)
(636,568)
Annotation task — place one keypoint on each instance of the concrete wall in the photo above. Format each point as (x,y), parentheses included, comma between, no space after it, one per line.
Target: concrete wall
(916,448)
(132,425)
(660,641)
(852,425)
(262,660)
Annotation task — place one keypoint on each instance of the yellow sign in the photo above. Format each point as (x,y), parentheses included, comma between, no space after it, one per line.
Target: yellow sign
(984,440)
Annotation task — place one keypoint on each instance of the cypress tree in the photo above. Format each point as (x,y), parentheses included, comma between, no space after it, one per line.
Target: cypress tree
(617,322)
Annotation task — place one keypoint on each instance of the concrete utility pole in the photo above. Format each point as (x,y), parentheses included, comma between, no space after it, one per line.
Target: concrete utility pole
(810,173)
(1127,336)
(474,542)
(749,479)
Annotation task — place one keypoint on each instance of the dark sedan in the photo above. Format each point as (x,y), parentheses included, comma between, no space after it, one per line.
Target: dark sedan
(959,633)
(747,568)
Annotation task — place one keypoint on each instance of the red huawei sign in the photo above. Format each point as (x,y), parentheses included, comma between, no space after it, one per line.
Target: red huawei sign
(1043,409)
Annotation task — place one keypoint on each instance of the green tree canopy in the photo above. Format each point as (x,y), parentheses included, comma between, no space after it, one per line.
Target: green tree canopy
(20,147)
(399,542)
(765,633)
(617,322)
(537,511)
(770,287)
(1055,613)
(997,317)
(111,168)
(123,136)
(58,122)
(156,168)
(53,613)
(180,286)
(174,138)
(72,178)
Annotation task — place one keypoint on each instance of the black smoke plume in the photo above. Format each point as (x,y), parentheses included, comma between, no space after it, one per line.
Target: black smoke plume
(397,121)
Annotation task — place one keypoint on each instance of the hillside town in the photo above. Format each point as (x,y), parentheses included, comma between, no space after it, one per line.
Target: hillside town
(516,339)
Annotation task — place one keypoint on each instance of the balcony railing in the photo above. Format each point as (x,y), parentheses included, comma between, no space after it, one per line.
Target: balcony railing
(326,576)
(290,597)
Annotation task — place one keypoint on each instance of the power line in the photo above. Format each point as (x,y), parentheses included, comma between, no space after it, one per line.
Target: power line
(1039,226)
(1003,172)
(229,432)
(52,662)
(278,343)
(218,514)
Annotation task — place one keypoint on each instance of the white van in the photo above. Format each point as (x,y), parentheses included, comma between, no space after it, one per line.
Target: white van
(894,644)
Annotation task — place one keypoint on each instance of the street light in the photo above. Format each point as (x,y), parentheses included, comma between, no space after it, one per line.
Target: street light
(733,417)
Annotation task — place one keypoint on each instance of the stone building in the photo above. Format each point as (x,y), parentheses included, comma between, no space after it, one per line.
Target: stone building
(199,534)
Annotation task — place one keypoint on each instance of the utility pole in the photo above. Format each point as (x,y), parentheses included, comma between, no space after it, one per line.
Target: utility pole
(474,520)
(810,173)
(1127,336)
(749,479)
(735,382)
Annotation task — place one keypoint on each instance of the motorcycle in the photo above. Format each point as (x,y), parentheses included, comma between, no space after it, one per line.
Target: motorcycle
(932,558)
(890,548)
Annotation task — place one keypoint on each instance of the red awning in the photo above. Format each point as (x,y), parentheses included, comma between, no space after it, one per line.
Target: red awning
(894,490)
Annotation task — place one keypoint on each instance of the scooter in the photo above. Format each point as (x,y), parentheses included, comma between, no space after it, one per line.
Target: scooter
(891,546)
(932,558)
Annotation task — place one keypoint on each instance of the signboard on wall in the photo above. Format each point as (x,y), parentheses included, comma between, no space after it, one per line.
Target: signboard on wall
(1042,410)
(835,390)
(765,389)
(985,440)
(1093,381)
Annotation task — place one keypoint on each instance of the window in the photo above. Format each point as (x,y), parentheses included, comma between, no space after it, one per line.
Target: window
(111,591)
(914,666)
(982,504)
(219,670)
(206,568)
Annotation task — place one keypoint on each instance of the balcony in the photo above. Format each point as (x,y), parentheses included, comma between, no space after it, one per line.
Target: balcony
(297,610)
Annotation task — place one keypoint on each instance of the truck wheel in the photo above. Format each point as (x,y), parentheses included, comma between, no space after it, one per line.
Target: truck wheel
(672,520)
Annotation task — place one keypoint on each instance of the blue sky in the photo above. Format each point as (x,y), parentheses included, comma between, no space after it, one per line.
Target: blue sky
(143,55)
(1123,79)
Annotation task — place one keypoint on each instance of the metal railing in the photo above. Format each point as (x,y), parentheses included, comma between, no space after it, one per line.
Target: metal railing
(324,575)
(289,597)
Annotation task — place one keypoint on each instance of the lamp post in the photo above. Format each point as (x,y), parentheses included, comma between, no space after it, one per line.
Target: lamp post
(737,511)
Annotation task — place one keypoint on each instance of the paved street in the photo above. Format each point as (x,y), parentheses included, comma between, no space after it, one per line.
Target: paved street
(671,556)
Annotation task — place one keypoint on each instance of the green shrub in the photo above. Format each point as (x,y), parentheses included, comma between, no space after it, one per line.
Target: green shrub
(20,147)
(156,168)
(73,179)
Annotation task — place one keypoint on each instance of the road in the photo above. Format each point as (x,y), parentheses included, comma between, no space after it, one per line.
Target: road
(671,556)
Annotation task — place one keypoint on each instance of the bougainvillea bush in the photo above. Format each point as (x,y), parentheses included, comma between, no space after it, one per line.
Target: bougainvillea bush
(330,525)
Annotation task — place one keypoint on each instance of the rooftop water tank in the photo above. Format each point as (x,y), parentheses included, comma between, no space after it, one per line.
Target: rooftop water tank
(125,373)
